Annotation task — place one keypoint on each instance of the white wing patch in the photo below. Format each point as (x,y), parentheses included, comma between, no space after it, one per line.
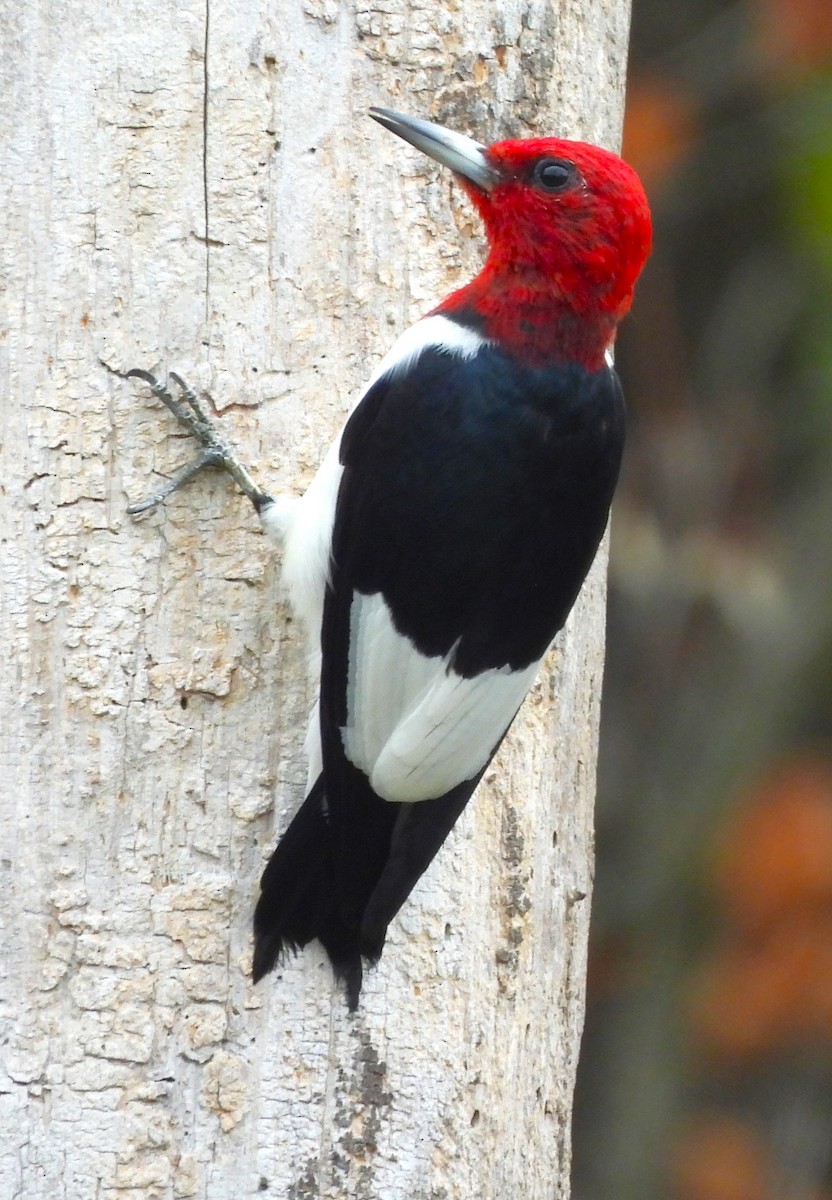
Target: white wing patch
(416,728)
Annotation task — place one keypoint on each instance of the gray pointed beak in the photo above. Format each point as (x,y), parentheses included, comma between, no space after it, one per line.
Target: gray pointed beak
(463,155)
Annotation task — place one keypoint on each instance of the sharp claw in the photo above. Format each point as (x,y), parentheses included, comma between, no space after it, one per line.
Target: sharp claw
(187,391)
(158,389)
(148,505)
(138,373)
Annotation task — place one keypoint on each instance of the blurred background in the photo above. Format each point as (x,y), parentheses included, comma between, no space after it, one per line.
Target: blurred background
(707,1062)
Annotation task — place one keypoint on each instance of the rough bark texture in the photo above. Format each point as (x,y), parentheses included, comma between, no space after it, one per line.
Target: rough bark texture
(236,216)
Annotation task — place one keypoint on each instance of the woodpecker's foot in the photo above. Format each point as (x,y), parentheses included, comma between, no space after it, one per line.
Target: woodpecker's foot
(192,414)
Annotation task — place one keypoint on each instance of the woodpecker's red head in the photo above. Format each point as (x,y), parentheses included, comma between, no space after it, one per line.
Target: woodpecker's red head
(569,231)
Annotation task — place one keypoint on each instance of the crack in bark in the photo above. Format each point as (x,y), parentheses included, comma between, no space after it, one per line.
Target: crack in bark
(205,155)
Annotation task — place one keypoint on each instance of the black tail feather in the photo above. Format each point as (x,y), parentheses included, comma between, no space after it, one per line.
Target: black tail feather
(294,886)
(341,876)
(304,895)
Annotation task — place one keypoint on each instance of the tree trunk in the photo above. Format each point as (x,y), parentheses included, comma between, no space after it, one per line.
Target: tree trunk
(201,189)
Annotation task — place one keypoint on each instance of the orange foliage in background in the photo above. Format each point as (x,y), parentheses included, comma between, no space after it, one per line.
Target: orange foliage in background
(661,125)
(794,35)
(777,856)
(767,985)
(769,981)
(722,1158)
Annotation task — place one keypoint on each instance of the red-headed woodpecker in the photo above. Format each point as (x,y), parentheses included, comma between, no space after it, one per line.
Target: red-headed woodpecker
(448,532)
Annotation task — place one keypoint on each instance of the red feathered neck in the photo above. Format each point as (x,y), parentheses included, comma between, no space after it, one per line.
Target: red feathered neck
(533,324)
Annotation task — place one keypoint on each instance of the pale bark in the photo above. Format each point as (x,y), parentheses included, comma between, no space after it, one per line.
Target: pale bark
(155,693)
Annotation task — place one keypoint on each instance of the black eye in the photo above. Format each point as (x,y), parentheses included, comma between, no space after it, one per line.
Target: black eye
(554,174)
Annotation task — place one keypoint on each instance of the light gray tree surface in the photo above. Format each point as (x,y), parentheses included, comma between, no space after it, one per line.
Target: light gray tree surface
(200,188)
